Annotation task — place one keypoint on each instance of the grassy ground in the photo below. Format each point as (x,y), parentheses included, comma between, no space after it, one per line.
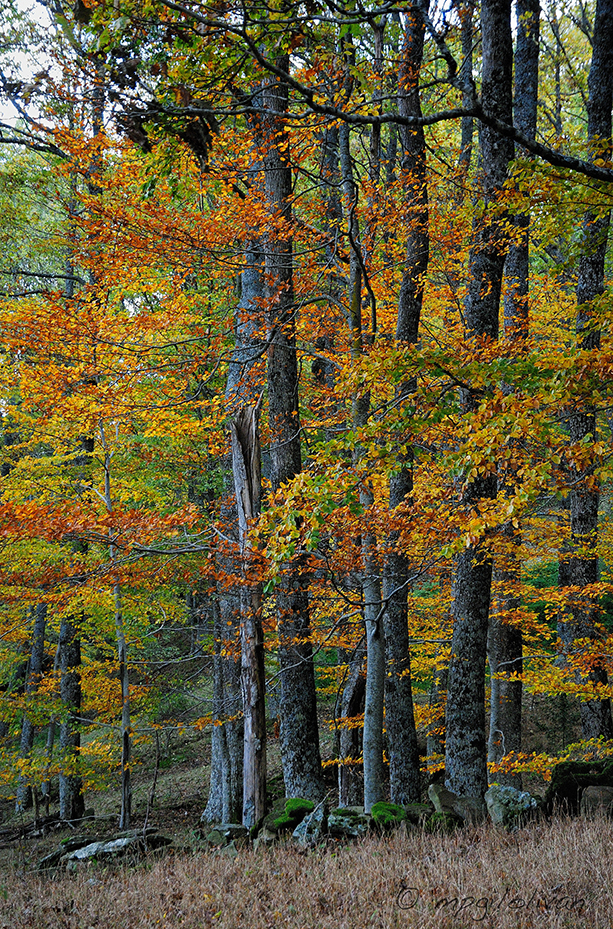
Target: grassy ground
(549,874)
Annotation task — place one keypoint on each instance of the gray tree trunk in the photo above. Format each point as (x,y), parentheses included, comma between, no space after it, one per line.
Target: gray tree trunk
(466,11)
(299,731)
(350,702)
(125,729)
(37,654)
(505,644)
(233,744)
(403,752)
(125,814)
(505,657)
(247,483)
(72,802)
(582,563)
(225,799)
(370,574)
(465,755)
(350,773)
(227,737)
(375,668)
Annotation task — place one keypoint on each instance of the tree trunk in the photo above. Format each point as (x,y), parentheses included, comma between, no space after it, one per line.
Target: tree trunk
(370,570)
(399,716)
(125,814)
(225,800)
(505,644)
(24,787)
(375,668)
(126,729)
(582,563)
(350,774)
(466,11)
(299,735)
(465,757)
(505,653)
(238,752)
(72,802)
(247,483)
(437,700)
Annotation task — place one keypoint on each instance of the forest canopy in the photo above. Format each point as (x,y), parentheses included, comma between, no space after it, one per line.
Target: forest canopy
(306,367)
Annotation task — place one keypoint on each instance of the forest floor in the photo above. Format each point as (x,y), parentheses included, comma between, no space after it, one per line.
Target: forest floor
(554,874)
(548,874)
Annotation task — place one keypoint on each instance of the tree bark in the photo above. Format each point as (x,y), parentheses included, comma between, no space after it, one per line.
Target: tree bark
(299,735)
(350,773)
(125,730)
(370,575)
(247,483)
(399,716)
(466,11)
(72,802)
(225,800)
(505,657)
(465,755)
(37,653)
(505,643)
(238,748)
(582,563)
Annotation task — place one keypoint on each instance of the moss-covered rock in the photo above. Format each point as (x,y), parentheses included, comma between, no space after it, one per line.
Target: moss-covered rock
(509,807)
(347,823)
(286,814)
(347,812)
(570,778)
(388,815)
(417,812)
(443,822)
(310,831)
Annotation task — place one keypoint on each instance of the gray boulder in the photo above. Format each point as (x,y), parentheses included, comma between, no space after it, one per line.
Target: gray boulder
(348,823)
(417,813)
(597,800)
(265,838)
(508,806)
(114,848)
(469,809)
(86,847)
(108,849)
(226,833)
(310,831)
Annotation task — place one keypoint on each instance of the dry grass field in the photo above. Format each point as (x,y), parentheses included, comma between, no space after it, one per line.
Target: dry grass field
(555,874)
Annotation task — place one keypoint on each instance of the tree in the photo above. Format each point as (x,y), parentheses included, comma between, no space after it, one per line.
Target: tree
(465,753)
(402,735)
(299,730)
(504,644)
(581,569)
(422,440)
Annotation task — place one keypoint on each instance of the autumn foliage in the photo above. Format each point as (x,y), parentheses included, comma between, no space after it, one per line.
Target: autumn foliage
(115,421)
